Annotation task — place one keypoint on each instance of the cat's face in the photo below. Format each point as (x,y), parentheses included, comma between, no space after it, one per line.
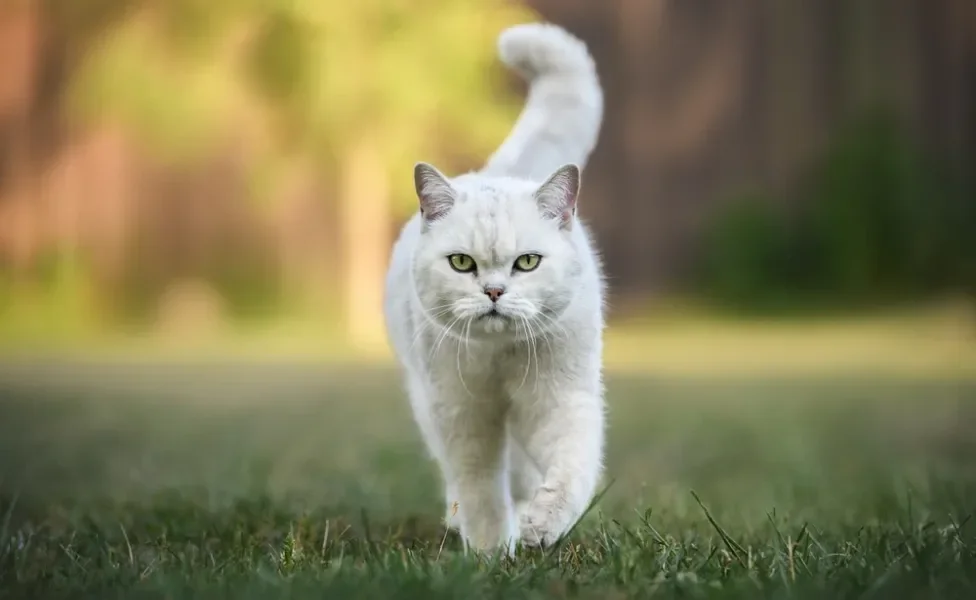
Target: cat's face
(496,259)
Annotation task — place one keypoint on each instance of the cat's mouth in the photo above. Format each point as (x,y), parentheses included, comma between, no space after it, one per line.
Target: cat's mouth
(492,314)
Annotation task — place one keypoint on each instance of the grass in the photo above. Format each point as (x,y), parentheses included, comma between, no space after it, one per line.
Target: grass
(253,480)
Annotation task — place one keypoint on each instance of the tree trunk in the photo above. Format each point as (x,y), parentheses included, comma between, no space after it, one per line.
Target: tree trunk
(364,225)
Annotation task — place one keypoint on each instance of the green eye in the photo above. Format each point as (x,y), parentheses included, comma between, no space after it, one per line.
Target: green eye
(462,263)
(527,262)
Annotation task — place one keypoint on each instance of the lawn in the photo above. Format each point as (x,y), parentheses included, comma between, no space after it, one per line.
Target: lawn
(297,480)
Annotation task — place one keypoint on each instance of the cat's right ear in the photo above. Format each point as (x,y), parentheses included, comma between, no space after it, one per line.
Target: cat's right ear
(434,191)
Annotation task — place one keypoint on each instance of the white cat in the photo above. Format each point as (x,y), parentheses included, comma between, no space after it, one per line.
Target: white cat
(494,307)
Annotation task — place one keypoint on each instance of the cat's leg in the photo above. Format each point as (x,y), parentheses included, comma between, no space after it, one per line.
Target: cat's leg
(562,431)
(474,465)
(524,476)
(420,403)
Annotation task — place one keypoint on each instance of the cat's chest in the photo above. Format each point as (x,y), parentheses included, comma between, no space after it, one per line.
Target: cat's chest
(513,360)
(492,366)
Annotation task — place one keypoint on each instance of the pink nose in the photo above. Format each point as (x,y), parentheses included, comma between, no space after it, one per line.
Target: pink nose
(494,292)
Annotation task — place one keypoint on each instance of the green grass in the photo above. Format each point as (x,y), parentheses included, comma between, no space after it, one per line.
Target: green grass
(299,481)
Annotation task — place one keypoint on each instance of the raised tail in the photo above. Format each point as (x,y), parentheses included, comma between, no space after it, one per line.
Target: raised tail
(562,115)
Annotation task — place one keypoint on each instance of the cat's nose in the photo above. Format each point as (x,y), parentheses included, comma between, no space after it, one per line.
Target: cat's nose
(494,292)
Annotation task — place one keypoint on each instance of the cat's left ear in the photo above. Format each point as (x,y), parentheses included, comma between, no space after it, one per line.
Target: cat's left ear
(557,196)
(434,191)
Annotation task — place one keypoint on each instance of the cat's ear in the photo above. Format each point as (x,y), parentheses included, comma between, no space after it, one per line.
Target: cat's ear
(434,192)
(557,196)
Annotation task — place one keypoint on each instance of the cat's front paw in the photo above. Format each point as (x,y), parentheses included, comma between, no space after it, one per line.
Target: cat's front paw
(544,519)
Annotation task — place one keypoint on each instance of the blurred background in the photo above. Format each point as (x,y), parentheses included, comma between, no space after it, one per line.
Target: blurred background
(783,191)
(199,169)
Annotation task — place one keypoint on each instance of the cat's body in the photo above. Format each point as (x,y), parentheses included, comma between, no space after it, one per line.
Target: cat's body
(494,307)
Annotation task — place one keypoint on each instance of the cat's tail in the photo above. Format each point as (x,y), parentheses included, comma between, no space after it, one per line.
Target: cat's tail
(562,116)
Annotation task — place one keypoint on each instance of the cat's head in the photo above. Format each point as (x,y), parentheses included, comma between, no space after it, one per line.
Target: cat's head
(496,256)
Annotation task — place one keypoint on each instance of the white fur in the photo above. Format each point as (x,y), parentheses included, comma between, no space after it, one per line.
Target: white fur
(562,116)
(510,407)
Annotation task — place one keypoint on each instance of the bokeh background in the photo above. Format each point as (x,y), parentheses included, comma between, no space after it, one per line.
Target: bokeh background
(195,169)
(198,198)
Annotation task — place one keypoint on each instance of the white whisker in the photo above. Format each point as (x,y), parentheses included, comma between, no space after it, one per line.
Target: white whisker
(467,326)
(528,358)
(535,353)
(428,323)
(440,339)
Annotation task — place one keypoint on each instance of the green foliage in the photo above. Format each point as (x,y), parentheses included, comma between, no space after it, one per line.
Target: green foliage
(746,249)
(418,76)
(277,55)
(875,212)
(52,300)
(876,222)
(175,107)
(249,283)
(246,279)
